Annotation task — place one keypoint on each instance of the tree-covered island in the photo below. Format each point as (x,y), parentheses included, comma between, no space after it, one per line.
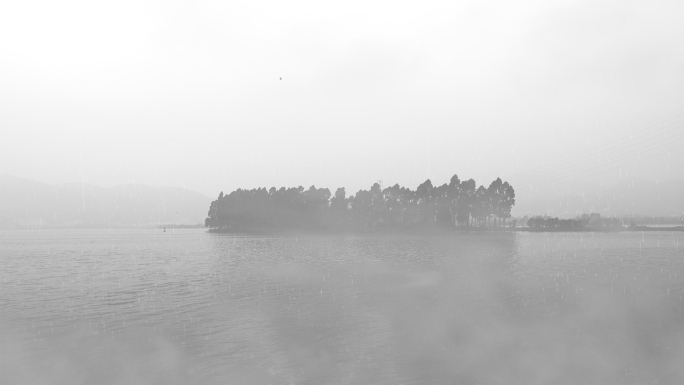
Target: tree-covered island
(456,204)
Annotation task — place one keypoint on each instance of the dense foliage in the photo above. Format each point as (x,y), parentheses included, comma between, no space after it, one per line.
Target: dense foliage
(449,205)
(583,222)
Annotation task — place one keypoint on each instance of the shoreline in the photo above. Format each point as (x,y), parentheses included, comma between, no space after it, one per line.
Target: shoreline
(424,231)
(440,231)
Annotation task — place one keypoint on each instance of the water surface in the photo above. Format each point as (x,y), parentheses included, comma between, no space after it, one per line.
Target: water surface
(187,306)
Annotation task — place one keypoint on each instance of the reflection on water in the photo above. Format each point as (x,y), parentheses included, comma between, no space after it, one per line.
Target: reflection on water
(187,306)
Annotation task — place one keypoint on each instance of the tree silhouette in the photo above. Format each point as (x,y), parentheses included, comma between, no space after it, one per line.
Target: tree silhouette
(456,204)
(592,222)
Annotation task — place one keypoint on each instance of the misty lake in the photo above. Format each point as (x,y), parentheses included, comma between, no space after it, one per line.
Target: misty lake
(187,306)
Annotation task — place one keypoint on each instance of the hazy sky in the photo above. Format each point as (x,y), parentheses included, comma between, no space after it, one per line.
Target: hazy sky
(183,93)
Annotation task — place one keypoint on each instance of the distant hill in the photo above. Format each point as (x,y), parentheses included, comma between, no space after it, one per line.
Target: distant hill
(627,197)
(24,202)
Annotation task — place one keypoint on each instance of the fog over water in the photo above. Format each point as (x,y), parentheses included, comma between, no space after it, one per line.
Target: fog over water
(257,116)
(187,306)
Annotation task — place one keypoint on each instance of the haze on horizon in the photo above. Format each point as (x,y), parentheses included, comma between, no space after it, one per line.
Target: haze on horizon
(189,93)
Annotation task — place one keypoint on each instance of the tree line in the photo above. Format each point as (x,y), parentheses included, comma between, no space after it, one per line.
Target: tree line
(454,204)
(583,222)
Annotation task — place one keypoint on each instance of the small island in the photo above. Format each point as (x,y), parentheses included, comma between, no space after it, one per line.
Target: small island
(590,222)
(453,205)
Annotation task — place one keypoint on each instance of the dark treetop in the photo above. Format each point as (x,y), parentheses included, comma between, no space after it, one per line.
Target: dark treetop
(450,205)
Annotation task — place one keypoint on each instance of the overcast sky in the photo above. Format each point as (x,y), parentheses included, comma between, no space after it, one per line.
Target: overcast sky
(181,93)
